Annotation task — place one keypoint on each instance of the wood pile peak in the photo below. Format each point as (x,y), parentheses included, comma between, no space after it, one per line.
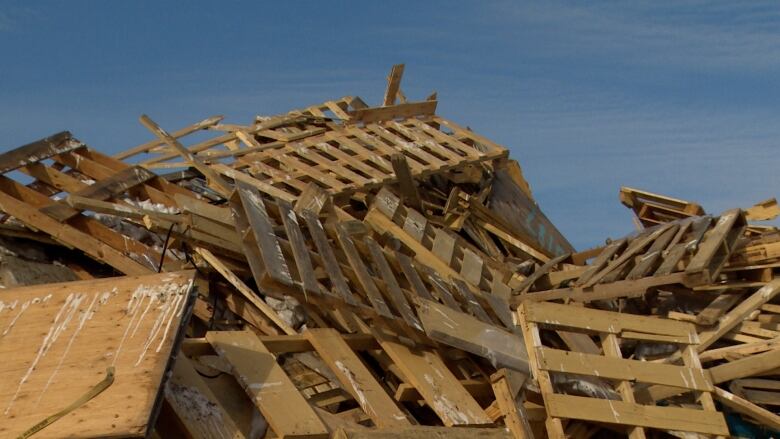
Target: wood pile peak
(354,271)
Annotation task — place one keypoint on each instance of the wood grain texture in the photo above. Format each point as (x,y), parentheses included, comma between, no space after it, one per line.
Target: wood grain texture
(57,341)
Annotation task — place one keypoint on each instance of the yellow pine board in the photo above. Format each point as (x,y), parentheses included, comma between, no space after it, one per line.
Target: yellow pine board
(440,389)
(624,413)
(356,378)
(266,383)
(555,360)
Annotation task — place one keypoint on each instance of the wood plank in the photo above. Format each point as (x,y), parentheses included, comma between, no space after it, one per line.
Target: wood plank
(361,271)
(390,112)
(102,190)
(393,84)
(745,407)
(60,339)
(406,183)
(556,360)
(245,291)
(267,384)
(196,405)
(273,259)
(507,385)
(462,331)
(205,123)
(440,389)
(738,314)
(624,413)
(397,296)
(607,322)
(356,378)
(337,279)
(214,179)
(36,151)
(299,249)
(70,236)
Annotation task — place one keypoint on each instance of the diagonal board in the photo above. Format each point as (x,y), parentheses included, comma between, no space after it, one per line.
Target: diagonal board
(267,384)
(57,341)
(440,389)
(356,378)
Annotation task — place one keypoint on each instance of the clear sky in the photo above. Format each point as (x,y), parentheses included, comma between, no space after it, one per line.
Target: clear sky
(679,98)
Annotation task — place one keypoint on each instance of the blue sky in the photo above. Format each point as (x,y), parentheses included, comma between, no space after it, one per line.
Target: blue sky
(680,98)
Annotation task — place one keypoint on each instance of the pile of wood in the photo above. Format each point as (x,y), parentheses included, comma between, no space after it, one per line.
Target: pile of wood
(365,272)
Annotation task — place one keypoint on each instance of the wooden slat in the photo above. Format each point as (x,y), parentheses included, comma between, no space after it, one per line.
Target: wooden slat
(338,282)
(361,271)
(556,360)
(37,151)
(245,291)
(437,385)
(273,259)
(356,378)
(624,413)
(464,332)
(397,296)
(266,383)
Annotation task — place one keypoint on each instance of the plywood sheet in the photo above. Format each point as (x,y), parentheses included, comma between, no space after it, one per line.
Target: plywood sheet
(58,340)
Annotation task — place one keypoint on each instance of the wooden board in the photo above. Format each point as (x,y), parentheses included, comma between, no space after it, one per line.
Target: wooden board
(57,341)
(356,378)
(437,385)
(267,384)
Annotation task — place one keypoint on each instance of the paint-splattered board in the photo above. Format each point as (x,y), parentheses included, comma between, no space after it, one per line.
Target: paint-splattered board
(58,340)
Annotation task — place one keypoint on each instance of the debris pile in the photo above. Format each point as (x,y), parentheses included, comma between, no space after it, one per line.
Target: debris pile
(365,272)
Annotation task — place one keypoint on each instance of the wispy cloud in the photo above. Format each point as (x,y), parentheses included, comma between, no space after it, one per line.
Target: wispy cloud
(702,34)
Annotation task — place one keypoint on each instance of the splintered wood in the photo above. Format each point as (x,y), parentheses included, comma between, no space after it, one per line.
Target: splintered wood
(361,271)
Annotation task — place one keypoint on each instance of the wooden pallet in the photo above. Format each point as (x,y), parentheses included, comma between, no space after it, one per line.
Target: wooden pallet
(612,328)
(692,251)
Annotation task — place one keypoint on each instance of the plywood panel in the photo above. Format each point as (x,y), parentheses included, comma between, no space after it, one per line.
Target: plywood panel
(58,340)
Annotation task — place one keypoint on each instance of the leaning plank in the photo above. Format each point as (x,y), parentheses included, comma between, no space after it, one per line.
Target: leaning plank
(257,216)
(427,372)
(465,332)
(102,190)
(37,151)
(205,123)
(69,235)
(267,384)
(738,314)
(60,339)
(740,405)
(393,84)
(196,406)
(624,413)
(219,184)
(245,291)
(356,378)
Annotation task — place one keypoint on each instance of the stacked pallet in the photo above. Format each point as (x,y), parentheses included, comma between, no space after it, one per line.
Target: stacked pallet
(365,272)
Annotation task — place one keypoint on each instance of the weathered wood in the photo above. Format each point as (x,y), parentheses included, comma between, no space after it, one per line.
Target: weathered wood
(267,384)
(356,378)
(619,412)
(436,384)
(58,340)
(245,291)
(462,331)
(36,151)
